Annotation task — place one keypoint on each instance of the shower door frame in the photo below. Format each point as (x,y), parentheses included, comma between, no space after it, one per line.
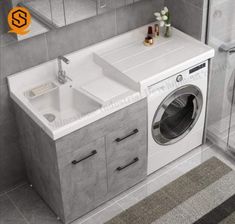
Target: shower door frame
(225,146)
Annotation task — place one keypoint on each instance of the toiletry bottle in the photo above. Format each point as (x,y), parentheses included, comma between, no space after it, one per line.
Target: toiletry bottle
(150,31)
(156,30)
(148,41)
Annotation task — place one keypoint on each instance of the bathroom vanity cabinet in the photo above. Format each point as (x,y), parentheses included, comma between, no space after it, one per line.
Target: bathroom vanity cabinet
(80,171)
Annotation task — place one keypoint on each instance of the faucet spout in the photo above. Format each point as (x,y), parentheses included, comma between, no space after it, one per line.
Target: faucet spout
(62,77)
(64,59)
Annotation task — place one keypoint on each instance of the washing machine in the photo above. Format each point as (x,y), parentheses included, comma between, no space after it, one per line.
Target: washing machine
(176,115)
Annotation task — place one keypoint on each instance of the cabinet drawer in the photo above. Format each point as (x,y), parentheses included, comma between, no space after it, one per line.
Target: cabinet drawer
(101,128)
(84,179)
(126,151)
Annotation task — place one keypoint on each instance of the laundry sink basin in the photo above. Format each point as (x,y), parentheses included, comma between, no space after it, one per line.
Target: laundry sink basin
(59,108)
(63,105)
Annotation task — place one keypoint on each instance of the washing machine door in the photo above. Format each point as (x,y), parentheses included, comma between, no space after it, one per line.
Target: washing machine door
(177,115)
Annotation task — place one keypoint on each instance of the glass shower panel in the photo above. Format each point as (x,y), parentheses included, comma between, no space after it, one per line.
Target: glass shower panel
(221,37)
(231,139)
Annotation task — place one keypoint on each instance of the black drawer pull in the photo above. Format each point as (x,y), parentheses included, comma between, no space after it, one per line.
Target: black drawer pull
(136,159)
(135,131)
(74,162)
(232,51)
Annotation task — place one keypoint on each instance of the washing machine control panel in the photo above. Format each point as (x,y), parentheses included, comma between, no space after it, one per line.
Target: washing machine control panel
(185,77)
(197,68)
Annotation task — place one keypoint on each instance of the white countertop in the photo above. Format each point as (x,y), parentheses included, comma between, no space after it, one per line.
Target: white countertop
(123,64)
(168,56)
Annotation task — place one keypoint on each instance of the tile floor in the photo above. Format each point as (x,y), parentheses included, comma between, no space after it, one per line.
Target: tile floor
(23,206)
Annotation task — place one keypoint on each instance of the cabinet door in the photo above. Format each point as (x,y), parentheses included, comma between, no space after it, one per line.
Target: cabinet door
(127,155)
(84,179)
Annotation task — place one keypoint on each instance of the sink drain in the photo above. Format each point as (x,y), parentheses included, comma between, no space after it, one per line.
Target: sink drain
(49,117)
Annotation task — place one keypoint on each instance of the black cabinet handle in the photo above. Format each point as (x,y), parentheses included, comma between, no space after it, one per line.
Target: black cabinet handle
(135,131)
(136,159)
(74,162)
(232,51)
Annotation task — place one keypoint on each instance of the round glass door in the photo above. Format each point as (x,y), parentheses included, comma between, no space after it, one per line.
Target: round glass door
(177,115)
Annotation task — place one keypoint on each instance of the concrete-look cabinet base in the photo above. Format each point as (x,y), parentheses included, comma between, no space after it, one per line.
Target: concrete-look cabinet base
(82,170)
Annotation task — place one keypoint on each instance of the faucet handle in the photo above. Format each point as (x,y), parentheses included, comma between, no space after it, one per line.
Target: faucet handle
(67,77)
(63,78)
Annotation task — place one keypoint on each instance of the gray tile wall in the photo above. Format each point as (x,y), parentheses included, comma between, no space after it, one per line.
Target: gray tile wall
(31,52)
(4,8)
(190,16)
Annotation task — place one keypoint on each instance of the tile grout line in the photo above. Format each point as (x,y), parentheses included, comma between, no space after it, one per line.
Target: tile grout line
(2,194)
(124,209)
(47,49)
(125,197)
(27,222)
(16,187)
(108,206)
(116,26)
(193,5)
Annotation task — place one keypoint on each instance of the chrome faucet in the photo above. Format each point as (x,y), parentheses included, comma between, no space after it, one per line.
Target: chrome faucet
(62,77)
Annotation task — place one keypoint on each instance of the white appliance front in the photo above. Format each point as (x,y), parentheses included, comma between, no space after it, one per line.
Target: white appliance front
(176,115)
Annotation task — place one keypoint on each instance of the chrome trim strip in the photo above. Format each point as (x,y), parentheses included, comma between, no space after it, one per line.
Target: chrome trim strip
(183,90)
